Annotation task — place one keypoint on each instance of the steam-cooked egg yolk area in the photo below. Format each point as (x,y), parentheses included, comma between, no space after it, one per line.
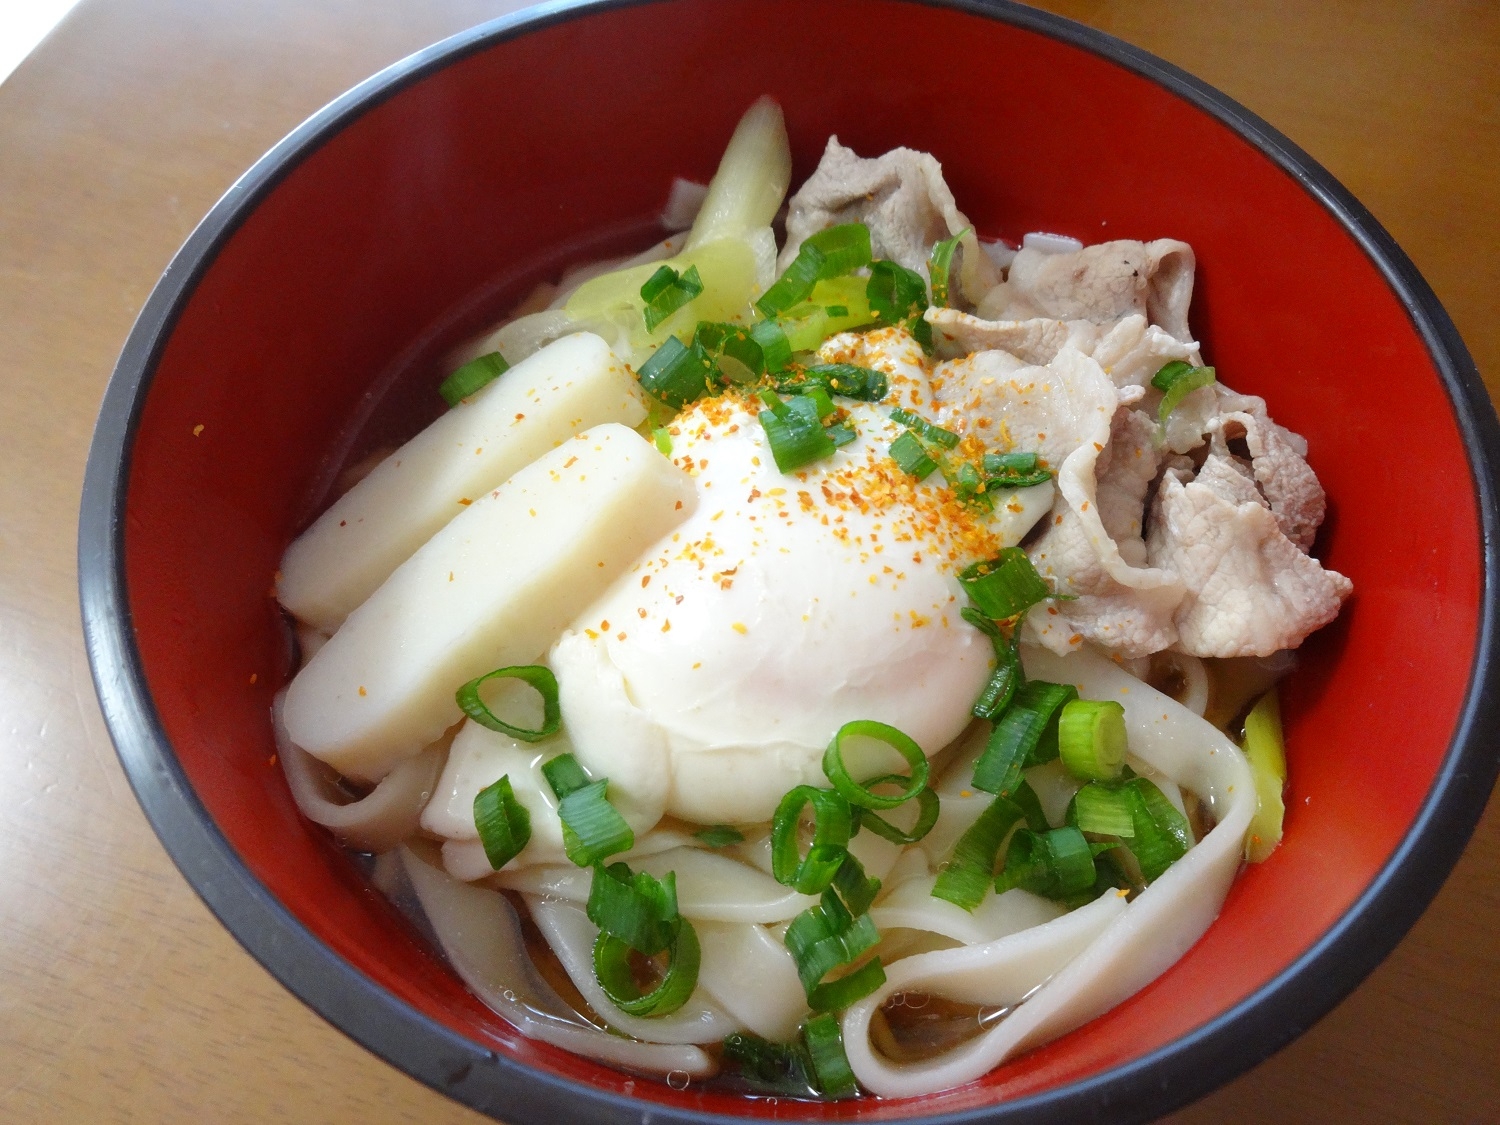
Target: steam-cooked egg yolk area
(711,677)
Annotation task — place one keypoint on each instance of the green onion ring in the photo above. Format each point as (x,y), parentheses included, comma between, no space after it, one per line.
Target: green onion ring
(851,790)
(832,827)
(534,674)
(928,808)
(612,967)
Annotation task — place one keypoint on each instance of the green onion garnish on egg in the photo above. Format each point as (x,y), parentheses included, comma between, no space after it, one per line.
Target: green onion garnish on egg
(677,373)
(539,677)
(1177,380)
(928,431)
(1004,586)
(911,455)
(850,380)
(504,823)
(471,376)
(795,433)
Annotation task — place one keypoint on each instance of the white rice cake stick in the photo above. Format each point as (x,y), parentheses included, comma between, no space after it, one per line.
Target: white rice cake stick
(495,587)
(373,528)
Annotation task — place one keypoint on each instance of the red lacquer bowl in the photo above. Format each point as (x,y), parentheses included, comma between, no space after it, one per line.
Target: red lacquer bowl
(320,290)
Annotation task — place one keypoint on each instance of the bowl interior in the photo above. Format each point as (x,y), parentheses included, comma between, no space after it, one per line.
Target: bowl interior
(427,213)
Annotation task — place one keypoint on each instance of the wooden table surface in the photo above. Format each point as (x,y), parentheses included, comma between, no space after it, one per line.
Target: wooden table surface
(121,998)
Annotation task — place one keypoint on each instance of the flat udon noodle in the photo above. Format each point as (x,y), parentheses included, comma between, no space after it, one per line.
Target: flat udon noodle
(481,937)
(571,935)
(381,819)
(710,887)
(1082,964)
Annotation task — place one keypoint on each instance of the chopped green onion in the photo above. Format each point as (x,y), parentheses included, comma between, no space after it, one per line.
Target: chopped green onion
(1102,810)
(984,625)
(504,823)
(1026,735)
(772,1068)
(733,349)
(1162,834)
(676,373)
(592,828)
(1055,864)
(825,937)
(1263,747)
(538,677)
(665,292)
(850,380)
(832,827)
(1004,586)
(635,907)
(564,775)
(776,351)
(836,995)
(967,875)
(939,263)
(853,886)
(844,248)
(928,431)
(928,807)
(1001,689)
(617,978)
(663,440)
(471,376)
(1091,739)
(851,790)
(719,835)
(898,295)
(837,310)
(794,438)
(1028,802)
(1156,836)
(968,486)
(795,282)
(819,398)
(911,456)
(1177,380)
(1018,480)
(998,464)
(830,1064)
(841,435)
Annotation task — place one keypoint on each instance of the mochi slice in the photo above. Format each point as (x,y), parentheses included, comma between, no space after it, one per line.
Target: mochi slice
(495,587)
(540,403)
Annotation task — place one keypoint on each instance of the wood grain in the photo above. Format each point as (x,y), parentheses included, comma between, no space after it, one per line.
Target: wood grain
(121,998)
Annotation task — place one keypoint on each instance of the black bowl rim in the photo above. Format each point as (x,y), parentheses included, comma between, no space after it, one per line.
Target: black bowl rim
(1161,1081)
